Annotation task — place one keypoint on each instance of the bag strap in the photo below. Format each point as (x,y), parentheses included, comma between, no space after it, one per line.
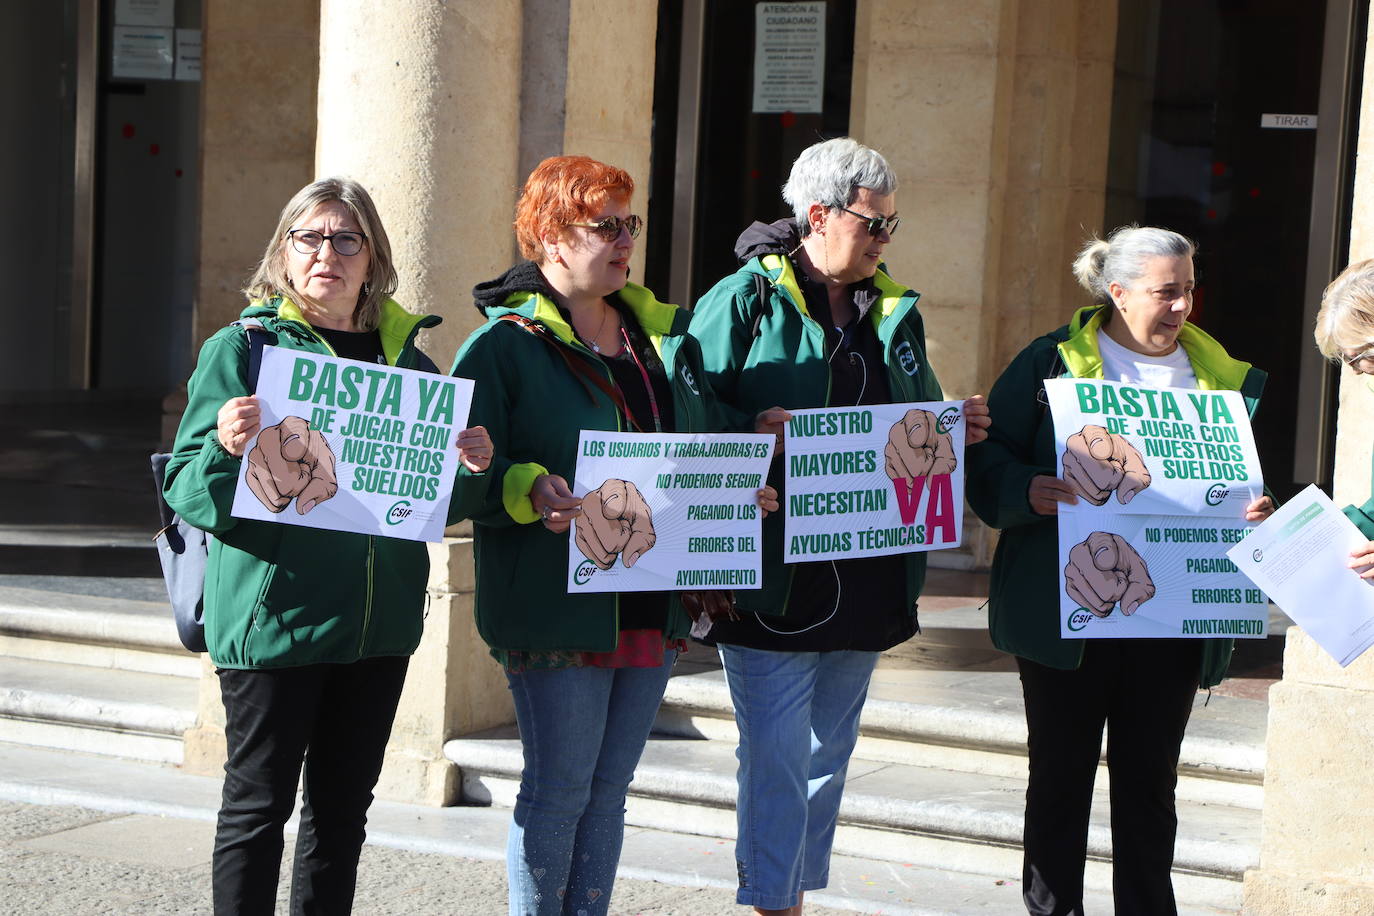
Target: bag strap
(580,369)
(257,339)
(765,308)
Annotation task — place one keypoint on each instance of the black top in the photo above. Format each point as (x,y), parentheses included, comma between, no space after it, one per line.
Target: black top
(640,610)
(838,604)
(365,346)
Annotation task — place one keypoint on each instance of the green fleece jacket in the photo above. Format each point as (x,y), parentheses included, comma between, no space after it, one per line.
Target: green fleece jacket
(1363,516)
(783,364)
(535,408)
(1023,601)
(278,596)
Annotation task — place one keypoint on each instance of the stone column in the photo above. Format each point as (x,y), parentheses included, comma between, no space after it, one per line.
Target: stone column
(1317,837)
(610,92)
(257,149)
(995,116)
(419,101)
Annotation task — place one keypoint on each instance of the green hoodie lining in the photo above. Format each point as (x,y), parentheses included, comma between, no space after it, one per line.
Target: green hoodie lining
(890,292)
(1215,369)
(655,317)
(395,325)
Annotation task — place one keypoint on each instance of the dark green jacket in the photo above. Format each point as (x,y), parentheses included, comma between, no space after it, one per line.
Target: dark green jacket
(1363,516)
(534,409)
(1023,601)
(278,596)
(783,364)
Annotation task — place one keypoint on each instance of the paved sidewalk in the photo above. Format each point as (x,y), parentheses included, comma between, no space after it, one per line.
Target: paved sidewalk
(81,834)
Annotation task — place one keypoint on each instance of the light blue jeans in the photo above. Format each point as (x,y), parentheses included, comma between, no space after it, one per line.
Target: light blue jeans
(582,730)
(798,717)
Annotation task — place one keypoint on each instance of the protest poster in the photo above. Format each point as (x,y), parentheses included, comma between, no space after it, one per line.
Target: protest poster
(667,511)
(873,481)
(1163,476)
(352,446)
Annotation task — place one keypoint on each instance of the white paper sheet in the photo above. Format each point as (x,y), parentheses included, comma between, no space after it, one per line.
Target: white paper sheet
(1299,557)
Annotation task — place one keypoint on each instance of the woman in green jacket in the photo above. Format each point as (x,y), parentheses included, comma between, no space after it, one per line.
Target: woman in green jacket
(570,345)
(812,319)
(1345,332)
(1141,689)
(310,630)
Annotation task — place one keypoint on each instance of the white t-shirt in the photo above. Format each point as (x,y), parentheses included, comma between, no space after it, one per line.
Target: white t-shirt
(1122,365)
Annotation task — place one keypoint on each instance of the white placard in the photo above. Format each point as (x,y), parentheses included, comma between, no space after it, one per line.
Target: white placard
(1289,121)
(145,12)
(1163,477)
(667,511)
(140,53)
(873,481)
(789,57)
(188,55)
(352,446)
(1299,556)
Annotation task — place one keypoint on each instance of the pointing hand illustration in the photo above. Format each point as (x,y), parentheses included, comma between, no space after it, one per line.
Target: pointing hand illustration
(1105,569)
(615,521)
(291,461)
(917,448)
(1097,462)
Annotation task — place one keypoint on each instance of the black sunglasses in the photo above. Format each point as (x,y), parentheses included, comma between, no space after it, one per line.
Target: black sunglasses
(876,224)
(609,228)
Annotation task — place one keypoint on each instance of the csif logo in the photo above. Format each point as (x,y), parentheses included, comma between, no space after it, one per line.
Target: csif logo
(690,380)
(584,572)
(1257,555)
(906,357)
(949,417)
(399,512)
(1079,618)
(1216,494)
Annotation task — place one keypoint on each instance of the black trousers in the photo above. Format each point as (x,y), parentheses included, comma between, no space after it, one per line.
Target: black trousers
(335,719)
(1142,690)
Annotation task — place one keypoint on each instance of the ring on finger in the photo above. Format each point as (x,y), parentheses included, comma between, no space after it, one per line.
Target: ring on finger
(545,512)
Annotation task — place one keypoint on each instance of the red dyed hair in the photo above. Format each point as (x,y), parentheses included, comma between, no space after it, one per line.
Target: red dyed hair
(563,190)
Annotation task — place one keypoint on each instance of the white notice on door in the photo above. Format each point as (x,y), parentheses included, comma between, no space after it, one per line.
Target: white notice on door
(789,57)
(1289,121)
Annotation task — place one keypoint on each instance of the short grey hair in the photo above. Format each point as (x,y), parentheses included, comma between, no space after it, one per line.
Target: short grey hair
(1121,258)
(1346,317)
(830,173)
(271,279)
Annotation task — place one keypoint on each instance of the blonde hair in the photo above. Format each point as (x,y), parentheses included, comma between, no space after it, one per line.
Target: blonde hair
(270,279)
(1346,317)
(1121,258)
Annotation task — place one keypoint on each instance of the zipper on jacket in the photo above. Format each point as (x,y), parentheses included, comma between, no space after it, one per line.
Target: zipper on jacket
(367,599)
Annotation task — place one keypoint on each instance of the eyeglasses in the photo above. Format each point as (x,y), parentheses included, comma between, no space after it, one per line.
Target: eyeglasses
(876,224)
(345,243)
(609,228)
(1355,362)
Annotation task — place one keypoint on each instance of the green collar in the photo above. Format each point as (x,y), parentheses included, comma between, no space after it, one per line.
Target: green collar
(396,326)
(892,296)
(1215,369)
(656,318)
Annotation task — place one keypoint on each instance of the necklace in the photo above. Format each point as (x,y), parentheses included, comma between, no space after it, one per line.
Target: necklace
(596,347)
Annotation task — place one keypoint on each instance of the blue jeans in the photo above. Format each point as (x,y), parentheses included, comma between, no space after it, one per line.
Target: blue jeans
(582,730)
(798,717)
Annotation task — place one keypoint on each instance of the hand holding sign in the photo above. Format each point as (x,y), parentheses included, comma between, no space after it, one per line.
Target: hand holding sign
(1105,569)
(917,448)
(291,461)
(1097,462)
(615,521)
